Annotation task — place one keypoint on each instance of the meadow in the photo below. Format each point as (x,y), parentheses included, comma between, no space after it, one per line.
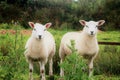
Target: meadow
(13,65)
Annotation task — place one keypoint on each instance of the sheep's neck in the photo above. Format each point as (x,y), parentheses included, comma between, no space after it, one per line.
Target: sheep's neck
(88,37)
(38,41)
(89,41)
(37,45)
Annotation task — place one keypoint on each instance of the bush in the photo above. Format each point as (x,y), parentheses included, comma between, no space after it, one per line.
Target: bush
(10,26)
(73,66)
(12,61)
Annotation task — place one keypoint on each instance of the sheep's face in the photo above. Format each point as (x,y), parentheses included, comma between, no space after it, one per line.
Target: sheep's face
(39,29)
(91,27)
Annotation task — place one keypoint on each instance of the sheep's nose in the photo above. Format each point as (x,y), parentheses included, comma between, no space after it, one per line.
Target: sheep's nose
(91,32)
(39,36)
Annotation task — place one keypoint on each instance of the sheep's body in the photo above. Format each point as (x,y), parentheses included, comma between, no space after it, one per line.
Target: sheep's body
(40,47)
(43,49)
(85,43)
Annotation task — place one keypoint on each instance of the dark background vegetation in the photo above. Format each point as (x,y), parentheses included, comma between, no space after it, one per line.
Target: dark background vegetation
(62,13)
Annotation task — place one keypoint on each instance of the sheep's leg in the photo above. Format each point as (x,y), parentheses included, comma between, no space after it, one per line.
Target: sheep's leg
(31,70)
(42,70)
(50,67)
(61,69)
(90,65)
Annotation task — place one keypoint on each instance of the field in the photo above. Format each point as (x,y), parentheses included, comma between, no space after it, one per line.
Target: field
(13,65)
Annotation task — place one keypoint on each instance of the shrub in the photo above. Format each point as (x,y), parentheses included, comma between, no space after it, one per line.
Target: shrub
(74,65)
(10,26)
(12,61)
(4,26)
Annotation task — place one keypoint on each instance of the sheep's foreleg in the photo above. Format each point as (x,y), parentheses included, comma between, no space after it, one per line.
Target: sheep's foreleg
(30,70)
(50,67)
(90,67)
(42,70)
(61,69)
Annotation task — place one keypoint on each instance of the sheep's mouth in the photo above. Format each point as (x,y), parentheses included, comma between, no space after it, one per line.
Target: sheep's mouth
(39,36)
(91,34)
(38,39)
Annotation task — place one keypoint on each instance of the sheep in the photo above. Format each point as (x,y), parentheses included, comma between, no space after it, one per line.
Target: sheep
(40,47)
(85,43)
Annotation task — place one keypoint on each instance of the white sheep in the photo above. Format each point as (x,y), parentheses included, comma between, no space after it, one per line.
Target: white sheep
(85,43)
(40,47)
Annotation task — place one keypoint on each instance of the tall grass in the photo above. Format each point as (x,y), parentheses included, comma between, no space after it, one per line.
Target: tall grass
(108,60)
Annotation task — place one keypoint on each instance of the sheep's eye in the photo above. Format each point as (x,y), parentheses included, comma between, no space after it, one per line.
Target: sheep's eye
(87,26)
(34,29)
(44,29)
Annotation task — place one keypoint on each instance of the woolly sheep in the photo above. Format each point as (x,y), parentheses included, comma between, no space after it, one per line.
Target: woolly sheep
(40,47)
(85,43)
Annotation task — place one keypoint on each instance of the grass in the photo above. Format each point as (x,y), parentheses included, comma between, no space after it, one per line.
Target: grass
(14,67)
(109,36)
(104,77)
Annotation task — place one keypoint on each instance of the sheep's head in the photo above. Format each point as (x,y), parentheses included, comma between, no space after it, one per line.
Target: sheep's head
(39,29)
(91,27)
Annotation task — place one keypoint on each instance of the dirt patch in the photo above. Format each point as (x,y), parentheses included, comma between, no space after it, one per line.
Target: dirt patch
(24,32)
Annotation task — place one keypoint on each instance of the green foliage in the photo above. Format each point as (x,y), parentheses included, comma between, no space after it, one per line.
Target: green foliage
(108,60)
(112,15)
(104,77)
(60,12)
(10,26)
(4,26)
(57,35)
(73,66)
(9,12)
(109,36)
(12,61)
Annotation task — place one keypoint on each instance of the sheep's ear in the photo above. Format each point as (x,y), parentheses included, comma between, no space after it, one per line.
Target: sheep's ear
(82,22)
(101,22)
(31,24)
(47,25)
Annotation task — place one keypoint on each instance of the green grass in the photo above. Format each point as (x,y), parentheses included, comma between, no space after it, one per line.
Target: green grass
(104,77)
(13,65)
(109,36)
